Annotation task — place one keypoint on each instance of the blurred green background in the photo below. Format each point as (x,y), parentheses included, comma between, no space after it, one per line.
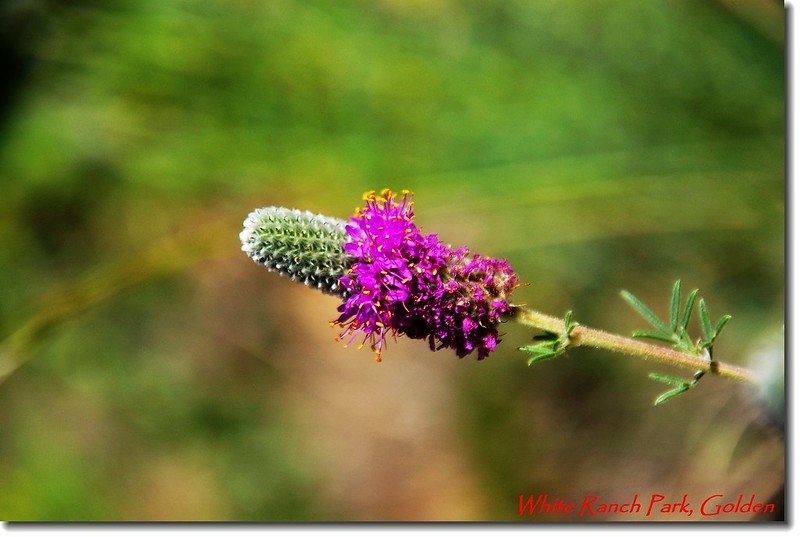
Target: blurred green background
(150,371)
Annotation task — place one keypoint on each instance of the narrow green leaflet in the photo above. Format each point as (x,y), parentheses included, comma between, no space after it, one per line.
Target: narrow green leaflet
(669,379)
(721,324)
(666,396)
(645,312)
(542,351)
(541,357)
(705,321)
(569,324)
(675,305)
(654,335)
(687,309)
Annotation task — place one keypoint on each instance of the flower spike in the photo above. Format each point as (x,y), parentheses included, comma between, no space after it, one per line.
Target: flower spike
(393,279)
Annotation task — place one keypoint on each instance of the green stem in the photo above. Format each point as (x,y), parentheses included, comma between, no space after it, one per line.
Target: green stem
(582,336)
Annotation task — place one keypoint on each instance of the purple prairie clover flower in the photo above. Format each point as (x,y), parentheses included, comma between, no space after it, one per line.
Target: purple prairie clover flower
(404,282)
(393,279)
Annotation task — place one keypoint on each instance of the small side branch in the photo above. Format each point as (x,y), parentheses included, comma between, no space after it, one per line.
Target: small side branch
(583,336)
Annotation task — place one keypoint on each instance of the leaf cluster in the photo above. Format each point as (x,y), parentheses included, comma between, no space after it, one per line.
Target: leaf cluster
(551,344)
(675,332)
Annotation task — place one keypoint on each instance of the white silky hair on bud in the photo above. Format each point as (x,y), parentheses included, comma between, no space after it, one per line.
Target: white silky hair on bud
(300,245)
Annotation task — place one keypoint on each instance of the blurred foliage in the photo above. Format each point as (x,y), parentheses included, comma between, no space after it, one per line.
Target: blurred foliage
(151,372)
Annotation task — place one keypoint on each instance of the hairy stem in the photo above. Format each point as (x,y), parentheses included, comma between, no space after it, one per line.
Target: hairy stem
(582,336)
